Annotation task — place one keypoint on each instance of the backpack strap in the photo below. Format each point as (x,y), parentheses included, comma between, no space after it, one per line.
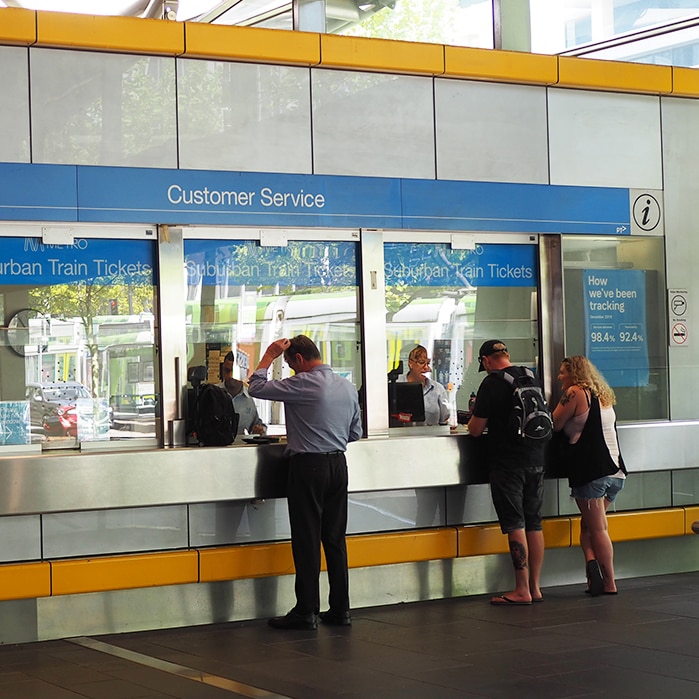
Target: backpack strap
(507,376)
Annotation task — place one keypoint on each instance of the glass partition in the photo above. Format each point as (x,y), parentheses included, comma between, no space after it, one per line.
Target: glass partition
(614,302)
(77,361)
(450,300)
(241,296)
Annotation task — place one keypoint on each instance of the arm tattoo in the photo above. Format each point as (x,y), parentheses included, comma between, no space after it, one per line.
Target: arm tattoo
(565,398)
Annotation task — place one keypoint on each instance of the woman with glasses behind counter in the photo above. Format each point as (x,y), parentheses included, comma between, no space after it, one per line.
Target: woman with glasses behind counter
(435,395)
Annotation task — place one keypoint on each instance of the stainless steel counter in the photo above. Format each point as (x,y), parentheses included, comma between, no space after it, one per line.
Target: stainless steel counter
(111,479)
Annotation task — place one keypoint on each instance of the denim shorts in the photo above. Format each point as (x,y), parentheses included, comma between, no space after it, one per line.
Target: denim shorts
(607,487)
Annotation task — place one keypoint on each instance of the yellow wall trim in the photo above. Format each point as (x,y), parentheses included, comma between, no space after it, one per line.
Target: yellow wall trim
(500,66)
(75,576)
(399,547)
(247,561)
(25,580)
(381,55)
(124,34)
(160,37)
(17,26)
(685,82)
(251,44)
(124,572)
(616,76)
(635,526)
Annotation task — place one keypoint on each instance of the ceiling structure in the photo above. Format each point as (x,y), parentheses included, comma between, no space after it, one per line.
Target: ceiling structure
(272,14)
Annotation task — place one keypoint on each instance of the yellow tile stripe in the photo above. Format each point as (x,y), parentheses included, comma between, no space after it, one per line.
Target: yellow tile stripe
(144,36)
(399,547)
(381,55)
(685,82)
(634,526)
(500,66)
(17,26)
(248,561)
(124,34)
(250,44)
(25,580)
(691,515)
(614,75)
(75,576)
(33,580)
(484,540)
(124,572)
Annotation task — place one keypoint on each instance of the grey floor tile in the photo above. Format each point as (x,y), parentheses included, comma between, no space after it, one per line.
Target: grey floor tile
(640,644)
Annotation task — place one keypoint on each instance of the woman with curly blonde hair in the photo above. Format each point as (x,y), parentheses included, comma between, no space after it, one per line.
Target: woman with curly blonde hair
(596,471)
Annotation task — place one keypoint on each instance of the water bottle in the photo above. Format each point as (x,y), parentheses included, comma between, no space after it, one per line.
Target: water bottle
(452,405)
(471,402)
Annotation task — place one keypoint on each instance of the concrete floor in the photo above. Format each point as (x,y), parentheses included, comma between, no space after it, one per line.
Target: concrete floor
(641,644)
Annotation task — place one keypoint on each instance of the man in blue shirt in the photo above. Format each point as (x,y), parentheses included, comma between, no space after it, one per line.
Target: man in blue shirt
(322,416)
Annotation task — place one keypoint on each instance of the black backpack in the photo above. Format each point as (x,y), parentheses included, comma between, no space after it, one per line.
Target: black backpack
(215,422)
(530,418)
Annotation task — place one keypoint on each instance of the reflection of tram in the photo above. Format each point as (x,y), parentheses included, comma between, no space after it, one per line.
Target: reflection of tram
(128,374)
(125,376)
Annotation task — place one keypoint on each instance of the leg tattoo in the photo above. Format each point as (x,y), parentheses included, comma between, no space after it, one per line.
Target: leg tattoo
(519,555)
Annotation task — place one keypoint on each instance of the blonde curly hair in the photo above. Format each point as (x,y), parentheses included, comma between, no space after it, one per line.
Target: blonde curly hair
(586,375)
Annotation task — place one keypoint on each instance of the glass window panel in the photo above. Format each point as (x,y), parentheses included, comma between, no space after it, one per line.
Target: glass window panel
(14,115)
(242,296)
(78,357)
(235,116)
(363,121)
(453,22)
(103,109)
(450,301)
(615,314)
(558,25)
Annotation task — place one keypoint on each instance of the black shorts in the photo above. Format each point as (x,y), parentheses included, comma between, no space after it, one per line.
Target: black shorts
(518,495)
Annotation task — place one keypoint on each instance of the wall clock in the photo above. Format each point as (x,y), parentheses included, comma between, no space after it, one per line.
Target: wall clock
(18,333)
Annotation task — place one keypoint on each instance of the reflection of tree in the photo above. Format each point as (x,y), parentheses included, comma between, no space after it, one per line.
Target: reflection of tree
(85,301)
(412,20)
(112,110)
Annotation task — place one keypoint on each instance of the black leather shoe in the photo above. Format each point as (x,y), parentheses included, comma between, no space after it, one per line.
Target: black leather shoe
(333,619)
(294,621)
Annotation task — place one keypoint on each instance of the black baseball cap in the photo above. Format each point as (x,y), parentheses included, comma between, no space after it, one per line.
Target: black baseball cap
(487,348)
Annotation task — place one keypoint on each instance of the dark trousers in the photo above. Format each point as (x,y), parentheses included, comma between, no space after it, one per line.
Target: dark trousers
(317,496)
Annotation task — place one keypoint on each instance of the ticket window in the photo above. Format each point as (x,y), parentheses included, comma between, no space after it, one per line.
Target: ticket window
(242,295)
(450,299)
(77,362)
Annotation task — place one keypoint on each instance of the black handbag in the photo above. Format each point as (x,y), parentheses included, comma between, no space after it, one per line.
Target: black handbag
(557,460)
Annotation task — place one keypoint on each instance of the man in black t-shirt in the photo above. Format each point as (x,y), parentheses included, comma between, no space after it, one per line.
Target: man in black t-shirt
(516,472)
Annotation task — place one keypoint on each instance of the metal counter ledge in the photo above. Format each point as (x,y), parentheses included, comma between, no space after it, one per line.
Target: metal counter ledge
(63,482)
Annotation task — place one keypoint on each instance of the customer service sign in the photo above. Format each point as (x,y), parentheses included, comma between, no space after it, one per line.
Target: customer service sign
(138,195)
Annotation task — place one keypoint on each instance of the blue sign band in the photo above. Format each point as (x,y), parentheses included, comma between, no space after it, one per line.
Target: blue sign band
(94,261)
(138,195)
(439,265)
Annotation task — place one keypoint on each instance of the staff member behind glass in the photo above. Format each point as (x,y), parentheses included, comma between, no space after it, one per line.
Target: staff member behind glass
(434,394)
(585,414)
(249,421)
(322,416)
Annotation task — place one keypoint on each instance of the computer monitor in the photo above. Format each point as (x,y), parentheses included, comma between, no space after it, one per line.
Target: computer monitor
(406,403)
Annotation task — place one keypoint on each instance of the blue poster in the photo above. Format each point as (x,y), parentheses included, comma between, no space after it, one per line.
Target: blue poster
(418,264)
(91,260)
(615,324)
(14,422)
